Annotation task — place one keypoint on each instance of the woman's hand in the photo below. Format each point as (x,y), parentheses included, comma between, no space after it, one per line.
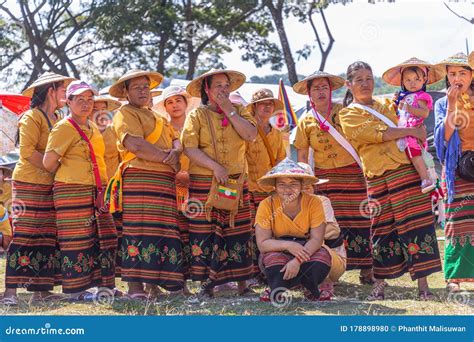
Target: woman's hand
(453,93)
(221,174)
(291,269)
(173,156)
(224,103)
(419,132)
(6,241)
(182,179)
(298,251)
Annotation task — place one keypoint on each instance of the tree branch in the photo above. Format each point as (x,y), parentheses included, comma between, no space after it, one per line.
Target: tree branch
(459,16)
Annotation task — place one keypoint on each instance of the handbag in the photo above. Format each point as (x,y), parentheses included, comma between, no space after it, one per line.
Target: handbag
(224,196)
(466,166)
(99,202)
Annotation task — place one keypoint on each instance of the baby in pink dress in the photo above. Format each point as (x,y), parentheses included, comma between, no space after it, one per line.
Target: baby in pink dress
(414,106)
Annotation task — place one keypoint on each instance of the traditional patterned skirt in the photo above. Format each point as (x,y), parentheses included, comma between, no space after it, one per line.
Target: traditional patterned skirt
(118,260)
(402,233)
(255,199)
(183,225)
(347,191)
(459,231)
(312,273)
(220,254)
(151,243)
(33,257)
(87,240)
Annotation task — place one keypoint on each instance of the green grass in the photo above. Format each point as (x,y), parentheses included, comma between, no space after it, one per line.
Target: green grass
(350,300)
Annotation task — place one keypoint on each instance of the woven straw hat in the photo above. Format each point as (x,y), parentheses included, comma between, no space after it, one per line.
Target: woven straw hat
(236,80)
(287,168)
(301,87)
(393,75)
(264,95)
(111,103)
(47,78)
(118,88)
(169,92)
(459,59)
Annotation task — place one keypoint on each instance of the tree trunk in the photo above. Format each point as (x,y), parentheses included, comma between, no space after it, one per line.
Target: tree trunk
(285,45)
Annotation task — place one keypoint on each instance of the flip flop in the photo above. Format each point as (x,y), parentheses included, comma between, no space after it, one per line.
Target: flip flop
(265,296)
(138,297)
(10,301)
(247,292)
(426,295)
(82,297)
(50,298)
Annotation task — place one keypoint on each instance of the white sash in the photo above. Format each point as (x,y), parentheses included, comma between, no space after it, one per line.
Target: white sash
(339,138)
(382,117)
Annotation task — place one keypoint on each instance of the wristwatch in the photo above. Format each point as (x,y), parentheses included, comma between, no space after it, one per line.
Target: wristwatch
(231,114)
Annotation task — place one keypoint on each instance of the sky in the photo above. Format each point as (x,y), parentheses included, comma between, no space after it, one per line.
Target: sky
(382,34)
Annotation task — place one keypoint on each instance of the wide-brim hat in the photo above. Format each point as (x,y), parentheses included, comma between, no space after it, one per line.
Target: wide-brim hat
(287,168)
(459,59)
(264,95)
(156,92)
(236,80)
(111,103)
(170,92)
(301,87)
(470,60)
(47,78)
(118,88)
(310,172)
(393,75)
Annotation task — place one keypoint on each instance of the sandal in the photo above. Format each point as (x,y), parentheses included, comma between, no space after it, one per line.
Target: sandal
(139,296)
(53,297)
(10,301)
(206,294)
(378,291)
(247,292)
(426,295)
(82,297)
(453,287)
(265,296)
(366,280)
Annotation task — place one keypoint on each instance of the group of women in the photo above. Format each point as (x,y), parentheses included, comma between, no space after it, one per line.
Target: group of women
(106,201)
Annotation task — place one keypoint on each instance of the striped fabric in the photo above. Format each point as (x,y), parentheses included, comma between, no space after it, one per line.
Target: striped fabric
(33,256)
(151,245)
(255,199)
(117,216)
(402,233)
(219,254)
(88,242)
(459,246)
(347,191)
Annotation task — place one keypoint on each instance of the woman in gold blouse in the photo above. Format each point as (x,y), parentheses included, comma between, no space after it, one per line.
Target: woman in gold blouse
(402,230)
(33,256)
(86,231)
(333,160)
(221,252)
